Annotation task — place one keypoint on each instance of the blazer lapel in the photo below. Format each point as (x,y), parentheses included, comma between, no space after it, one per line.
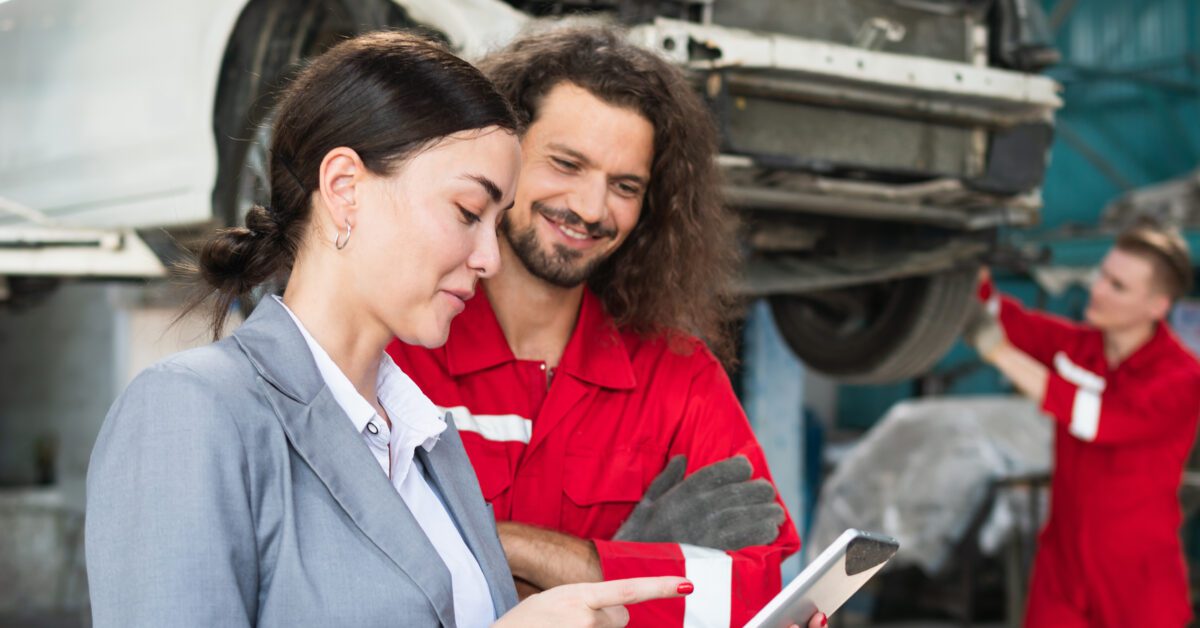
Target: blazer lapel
(450,470)
(323,436)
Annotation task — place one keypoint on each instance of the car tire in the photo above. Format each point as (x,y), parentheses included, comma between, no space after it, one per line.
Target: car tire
(269,42)
(877,333)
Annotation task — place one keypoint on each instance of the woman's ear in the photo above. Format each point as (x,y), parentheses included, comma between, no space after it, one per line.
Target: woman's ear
(342,171)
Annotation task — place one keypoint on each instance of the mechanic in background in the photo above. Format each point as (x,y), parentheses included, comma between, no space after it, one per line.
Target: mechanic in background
(1125,396)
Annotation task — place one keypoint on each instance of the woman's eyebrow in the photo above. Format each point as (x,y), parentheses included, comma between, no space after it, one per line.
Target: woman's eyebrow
(488,186)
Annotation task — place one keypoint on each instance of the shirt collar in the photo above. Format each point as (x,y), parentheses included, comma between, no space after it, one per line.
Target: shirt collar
(412,412)
(415,420)
(1149,351)
(595,352)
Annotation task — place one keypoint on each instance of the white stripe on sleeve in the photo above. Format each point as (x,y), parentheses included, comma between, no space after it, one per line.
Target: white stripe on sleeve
(1078,375)
(709,606)
(1085,415)
(493,427)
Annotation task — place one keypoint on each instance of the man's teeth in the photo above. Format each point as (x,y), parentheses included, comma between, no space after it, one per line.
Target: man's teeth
(573,234)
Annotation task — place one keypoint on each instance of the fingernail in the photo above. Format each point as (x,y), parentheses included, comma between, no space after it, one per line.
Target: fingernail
(824,620)
(685,588)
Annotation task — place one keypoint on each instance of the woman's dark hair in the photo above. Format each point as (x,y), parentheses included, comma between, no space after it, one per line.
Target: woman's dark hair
(675,272)
(386,95)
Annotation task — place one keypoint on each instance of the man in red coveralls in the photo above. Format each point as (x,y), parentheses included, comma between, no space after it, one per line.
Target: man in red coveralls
(576,376)
(1125,397)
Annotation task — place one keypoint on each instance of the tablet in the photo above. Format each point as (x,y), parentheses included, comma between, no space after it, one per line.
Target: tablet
(829,580)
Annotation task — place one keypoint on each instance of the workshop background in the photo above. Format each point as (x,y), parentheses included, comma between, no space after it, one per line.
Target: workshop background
(921,455)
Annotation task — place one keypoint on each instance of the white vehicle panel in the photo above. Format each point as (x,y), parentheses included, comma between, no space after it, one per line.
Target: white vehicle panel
(106,108)
(749,49)
(474,27)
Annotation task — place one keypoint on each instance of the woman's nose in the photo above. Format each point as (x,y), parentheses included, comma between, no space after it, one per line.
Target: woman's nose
(485,259)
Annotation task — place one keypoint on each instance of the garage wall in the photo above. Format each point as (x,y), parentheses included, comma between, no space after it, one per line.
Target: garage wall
(57,365)
(63,362)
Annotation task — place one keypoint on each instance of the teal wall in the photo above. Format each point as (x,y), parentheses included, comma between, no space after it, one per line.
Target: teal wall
(1131,114)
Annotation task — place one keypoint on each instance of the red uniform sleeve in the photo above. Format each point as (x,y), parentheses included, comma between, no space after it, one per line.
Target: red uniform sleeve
(1034,333)
(730,586)
(1164,407)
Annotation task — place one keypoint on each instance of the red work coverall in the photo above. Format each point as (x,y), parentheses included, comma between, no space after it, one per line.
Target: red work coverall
(577,455)
(1110,553)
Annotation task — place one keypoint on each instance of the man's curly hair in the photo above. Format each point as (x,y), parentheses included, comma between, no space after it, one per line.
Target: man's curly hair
(675,272)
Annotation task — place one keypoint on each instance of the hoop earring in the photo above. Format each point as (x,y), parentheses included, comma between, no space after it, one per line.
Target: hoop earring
(337,239)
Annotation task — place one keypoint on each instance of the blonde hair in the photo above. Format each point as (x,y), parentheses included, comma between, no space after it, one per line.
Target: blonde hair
(1166,250)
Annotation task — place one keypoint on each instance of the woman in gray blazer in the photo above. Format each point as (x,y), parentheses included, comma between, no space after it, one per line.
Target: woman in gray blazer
(290,474)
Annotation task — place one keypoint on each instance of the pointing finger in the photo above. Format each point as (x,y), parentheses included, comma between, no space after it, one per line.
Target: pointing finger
(633,590)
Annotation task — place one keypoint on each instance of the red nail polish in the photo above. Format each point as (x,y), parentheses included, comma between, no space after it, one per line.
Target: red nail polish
(824,620)
(685,588)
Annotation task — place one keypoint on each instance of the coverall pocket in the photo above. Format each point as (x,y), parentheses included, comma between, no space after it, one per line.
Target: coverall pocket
(596,479)
(493,470)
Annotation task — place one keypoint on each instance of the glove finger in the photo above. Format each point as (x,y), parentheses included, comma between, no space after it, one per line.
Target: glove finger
(667,478)
(730,470)
(727,529)
(744,527)
(770,515)
(636,524)
(640,522)
(749,493)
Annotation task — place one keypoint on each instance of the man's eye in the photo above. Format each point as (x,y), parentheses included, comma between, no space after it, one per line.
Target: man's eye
(628,190)
(470,217)
(565,165)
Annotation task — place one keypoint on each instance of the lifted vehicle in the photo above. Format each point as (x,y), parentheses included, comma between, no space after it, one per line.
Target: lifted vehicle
(872,146)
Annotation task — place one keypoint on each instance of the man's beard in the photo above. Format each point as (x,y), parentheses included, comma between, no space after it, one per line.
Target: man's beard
(563,267)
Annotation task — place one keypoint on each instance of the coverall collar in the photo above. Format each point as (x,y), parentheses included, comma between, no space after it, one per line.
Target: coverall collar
(1150,350)
(595,352)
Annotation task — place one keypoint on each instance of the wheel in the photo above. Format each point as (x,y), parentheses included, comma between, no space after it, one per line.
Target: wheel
(880,332)
(271,39)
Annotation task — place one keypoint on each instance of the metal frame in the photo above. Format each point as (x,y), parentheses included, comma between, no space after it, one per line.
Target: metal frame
(791,275)
(65,252)
(842,65)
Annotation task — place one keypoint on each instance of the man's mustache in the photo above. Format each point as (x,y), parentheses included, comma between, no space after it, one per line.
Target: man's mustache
(573,220)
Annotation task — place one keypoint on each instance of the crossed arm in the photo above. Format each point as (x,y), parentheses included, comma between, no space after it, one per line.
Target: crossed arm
(711,431)
(719,506)
(541,559)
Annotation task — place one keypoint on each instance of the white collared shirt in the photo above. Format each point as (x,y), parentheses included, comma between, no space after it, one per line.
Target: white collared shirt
(415,423)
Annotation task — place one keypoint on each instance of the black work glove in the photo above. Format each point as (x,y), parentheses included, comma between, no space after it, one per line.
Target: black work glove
(718,506)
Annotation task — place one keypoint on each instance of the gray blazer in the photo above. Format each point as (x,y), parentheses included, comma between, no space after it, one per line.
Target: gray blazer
(228,488)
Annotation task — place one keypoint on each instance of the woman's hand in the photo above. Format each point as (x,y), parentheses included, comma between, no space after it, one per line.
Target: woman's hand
(590,604)
(818,621)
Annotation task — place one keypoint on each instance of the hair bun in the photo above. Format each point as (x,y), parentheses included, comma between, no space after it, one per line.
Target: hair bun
(261,223)
(236,260)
